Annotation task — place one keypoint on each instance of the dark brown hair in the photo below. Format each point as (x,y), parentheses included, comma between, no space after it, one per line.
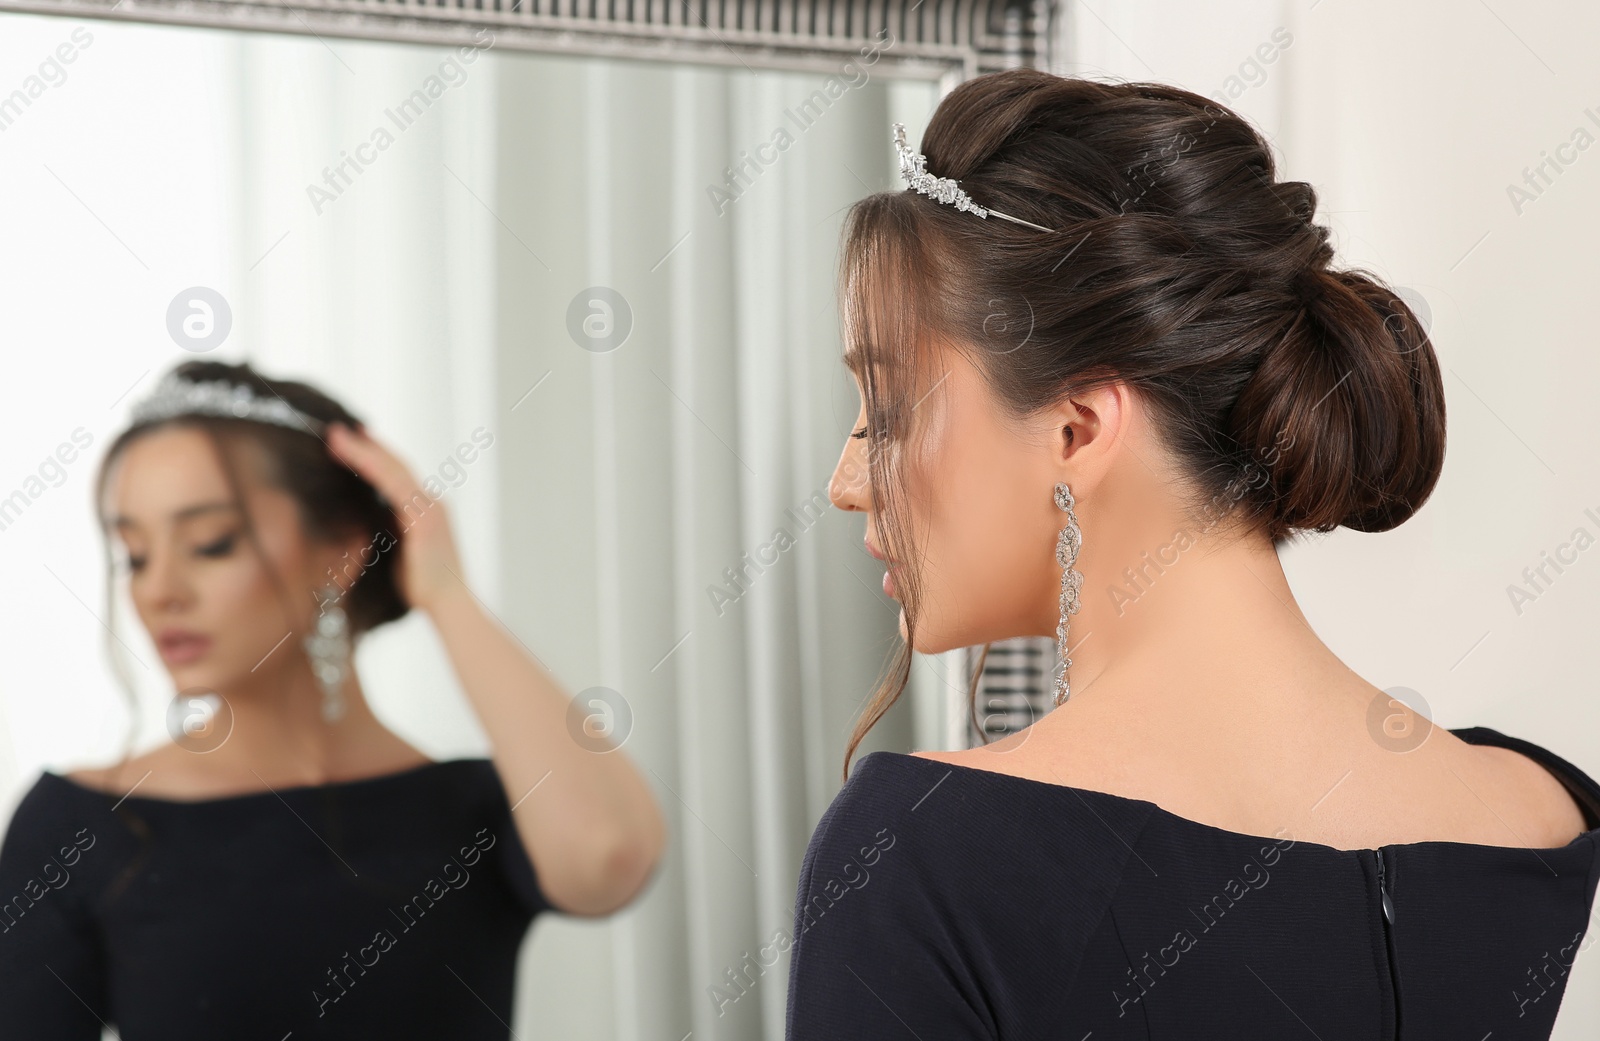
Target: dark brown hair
(333,501)
(1300,397)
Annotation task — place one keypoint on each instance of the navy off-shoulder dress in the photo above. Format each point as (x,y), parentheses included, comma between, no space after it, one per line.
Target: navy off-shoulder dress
(938,903)
(385,907)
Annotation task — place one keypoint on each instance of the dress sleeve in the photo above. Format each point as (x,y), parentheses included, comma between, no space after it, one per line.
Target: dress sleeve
(502,844)
(50,956)
(519,870)
(876,949)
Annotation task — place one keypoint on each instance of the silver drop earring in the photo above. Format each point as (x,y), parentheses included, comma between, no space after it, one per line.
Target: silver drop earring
(328,648)
(1068,542)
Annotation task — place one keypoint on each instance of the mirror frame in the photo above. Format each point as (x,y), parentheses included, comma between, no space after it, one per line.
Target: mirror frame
(945,41)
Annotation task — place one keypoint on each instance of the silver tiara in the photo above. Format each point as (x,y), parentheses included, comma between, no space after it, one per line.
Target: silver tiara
(914,168)
(176,396)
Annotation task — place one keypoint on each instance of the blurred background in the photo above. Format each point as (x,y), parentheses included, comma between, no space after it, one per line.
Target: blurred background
(554,251)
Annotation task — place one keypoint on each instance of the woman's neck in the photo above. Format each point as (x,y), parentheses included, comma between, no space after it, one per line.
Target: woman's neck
(1193,622)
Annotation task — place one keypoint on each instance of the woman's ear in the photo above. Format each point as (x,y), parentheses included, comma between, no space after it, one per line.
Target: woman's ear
(342,562)
(1088,427)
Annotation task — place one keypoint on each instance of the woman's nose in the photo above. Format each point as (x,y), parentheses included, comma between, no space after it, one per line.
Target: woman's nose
(848,488)
(162,584)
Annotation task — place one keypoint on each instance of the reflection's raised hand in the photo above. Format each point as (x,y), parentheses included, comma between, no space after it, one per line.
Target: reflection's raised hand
(429,564)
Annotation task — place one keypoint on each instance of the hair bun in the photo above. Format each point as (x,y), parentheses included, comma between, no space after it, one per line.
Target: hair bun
(1309,286)
(1346,409)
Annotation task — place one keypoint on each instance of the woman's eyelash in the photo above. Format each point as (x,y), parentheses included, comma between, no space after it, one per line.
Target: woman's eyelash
(877,425)
(217,548)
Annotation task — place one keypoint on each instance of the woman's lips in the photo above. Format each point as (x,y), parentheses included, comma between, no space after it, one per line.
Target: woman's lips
(888,571)
(182,649)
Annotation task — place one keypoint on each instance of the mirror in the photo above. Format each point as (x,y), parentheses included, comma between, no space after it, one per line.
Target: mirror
(590,303)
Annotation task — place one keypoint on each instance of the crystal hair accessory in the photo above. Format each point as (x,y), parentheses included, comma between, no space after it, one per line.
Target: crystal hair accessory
(176,396)
(914,168)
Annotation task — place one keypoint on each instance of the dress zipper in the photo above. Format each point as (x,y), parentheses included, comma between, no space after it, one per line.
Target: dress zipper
(1388,939)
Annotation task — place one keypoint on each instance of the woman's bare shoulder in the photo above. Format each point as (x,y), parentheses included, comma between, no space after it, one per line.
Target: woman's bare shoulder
(1454,788)
(120,777)
(1552,816)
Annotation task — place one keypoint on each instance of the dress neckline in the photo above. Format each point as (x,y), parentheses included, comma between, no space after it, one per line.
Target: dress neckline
(1584,788)
(374,781)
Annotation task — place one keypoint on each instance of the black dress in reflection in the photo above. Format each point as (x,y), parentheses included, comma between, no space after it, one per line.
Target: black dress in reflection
(949,902)
(386,907)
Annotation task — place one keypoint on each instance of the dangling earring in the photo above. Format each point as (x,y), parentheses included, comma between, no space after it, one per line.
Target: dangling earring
(1067,545)
(328,648)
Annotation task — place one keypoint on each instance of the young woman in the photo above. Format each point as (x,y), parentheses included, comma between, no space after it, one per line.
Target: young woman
(1107,369)
(288,866)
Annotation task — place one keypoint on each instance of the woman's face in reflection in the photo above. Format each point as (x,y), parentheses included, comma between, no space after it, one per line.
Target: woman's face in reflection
(978,500)
(196,580)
